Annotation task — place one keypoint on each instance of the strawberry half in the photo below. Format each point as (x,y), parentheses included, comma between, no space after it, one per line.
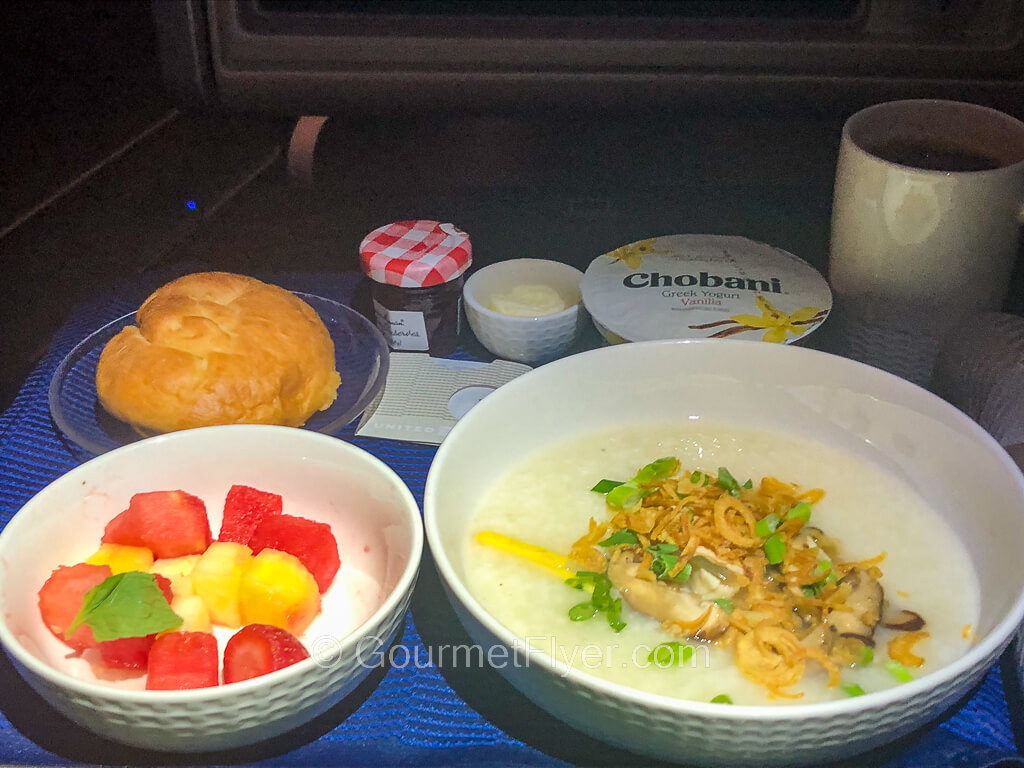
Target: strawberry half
(244,509)
(169,523)
(258,649)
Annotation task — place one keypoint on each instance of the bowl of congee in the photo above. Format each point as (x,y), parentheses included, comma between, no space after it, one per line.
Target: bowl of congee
(729,553)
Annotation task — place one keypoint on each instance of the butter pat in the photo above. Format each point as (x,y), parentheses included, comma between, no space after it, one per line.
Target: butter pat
(528,301)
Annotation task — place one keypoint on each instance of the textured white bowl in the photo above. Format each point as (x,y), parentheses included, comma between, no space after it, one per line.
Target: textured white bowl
(529,340)
(372,513)
(768,386)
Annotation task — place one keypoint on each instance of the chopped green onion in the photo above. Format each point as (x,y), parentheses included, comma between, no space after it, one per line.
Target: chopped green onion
(658,470)
(749,484)
(824,567)
(707,480)
(695,477)
(766,526)
(582,579)
(665,558)
(725,604)
(625,536)
(867,655)
(722,698)
(775,549)
(813,590)
(582,611)
(681,495)
(801,510)
(852,689)
(614,615)
(602,597)
(626,496)
(663,564)
(670,654)
(899,671)
(600,600)
(727,482)
(606,485)
(684,573)
(663,549)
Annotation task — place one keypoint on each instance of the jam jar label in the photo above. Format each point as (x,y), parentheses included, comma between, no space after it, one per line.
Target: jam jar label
(404,331)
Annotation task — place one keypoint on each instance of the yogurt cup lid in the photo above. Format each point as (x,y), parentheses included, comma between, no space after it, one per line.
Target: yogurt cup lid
(415,254)
(704,286)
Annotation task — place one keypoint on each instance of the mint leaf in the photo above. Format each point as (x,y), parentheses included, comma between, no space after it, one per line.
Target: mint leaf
(129,604)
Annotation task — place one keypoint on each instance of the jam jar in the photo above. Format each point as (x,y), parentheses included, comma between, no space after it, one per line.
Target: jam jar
(416,269)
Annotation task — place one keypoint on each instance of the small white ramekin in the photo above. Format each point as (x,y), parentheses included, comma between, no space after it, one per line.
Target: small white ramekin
(530,340)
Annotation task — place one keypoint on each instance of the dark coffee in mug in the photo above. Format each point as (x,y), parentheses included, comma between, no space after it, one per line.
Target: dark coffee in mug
(928,156)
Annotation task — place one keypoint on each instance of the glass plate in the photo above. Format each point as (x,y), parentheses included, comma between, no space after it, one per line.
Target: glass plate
(360,352)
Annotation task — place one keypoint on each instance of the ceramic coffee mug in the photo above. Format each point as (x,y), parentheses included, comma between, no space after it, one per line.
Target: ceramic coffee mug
(926,223)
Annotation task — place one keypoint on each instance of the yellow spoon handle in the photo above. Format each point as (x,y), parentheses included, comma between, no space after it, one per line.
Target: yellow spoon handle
(545,558)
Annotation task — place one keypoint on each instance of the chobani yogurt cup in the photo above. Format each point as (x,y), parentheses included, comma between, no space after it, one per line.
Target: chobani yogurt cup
(704,286)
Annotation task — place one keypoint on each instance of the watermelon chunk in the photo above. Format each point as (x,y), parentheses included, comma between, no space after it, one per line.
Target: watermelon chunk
(61,597)
(132,653)
(183,660)
(165,586)
(258,649)
(170,523)
(244,509)
(124,530)
(311,542)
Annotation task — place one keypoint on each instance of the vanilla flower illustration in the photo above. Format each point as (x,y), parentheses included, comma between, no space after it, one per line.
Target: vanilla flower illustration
(775,322)
(632,255)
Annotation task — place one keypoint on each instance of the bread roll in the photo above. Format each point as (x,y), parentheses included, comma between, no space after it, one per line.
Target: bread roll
(217,348)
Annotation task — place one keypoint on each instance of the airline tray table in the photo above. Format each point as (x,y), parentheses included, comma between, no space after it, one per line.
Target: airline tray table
(423,710)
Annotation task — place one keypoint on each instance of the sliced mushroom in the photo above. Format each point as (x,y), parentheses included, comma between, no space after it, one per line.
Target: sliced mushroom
(820,637)
(712,579)
(807,537)
(904,621)
(864,604)
(669,604)
(862,639)
(810,536)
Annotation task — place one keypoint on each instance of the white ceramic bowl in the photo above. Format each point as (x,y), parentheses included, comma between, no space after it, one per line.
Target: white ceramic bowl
(374,518)
(529,340)
(956,466)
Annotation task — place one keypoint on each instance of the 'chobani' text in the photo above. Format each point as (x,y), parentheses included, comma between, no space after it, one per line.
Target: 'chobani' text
(704,280)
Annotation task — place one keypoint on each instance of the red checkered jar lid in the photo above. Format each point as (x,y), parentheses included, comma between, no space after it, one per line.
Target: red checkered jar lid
(415,254)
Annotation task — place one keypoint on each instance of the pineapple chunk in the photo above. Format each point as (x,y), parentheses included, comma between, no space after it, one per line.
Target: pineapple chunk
(122,558)
(216,578)
(179,571)
(277,589)
(194,616)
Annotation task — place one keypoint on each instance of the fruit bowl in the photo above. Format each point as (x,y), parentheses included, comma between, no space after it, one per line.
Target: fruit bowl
(374,518)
